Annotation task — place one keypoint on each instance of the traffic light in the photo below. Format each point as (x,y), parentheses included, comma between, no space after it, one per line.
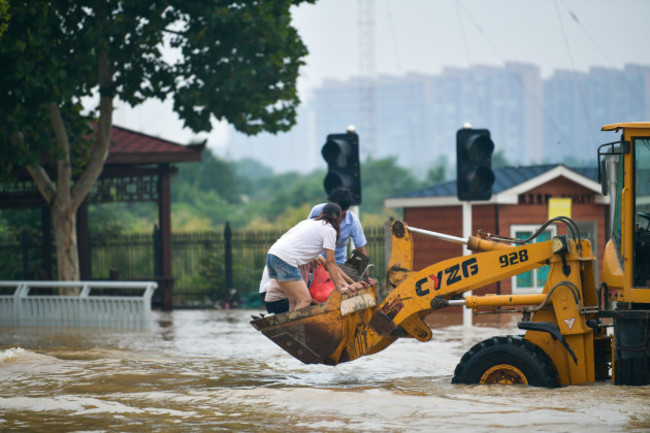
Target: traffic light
(474,178)
(341,152)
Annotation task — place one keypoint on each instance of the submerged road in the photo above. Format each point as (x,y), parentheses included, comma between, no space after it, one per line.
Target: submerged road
(199,371)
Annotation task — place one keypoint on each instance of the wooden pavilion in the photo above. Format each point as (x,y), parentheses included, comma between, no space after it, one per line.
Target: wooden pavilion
(138,168)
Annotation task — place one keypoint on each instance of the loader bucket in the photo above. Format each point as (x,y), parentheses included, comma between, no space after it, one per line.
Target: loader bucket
(325,333)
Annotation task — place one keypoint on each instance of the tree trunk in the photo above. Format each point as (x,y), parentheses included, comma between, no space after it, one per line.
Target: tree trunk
(67,256)
(66,196)
(65,234)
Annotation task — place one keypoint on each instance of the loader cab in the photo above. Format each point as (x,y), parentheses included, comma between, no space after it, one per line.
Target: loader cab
(641,232)
(626,164)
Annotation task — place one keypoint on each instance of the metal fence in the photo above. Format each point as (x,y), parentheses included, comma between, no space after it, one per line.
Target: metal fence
(128,306)
(202,262)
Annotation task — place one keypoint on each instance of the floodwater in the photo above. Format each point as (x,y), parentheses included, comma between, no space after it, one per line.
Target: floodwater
(200,371)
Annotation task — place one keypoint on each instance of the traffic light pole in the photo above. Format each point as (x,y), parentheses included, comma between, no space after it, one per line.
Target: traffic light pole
(467,232)
(474,180)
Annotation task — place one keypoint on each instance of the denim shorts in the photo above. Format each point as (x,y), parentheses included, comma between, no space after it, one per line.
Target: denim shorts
(281,270)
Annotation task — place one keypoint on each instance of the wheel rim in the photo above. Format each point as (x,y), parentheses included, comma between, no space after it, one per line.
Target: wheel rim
(505,375)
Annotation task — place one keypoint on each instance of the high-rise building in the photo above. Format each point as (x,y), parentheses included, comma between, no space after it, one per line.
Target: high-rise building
(403,117)
(507,101)
(531,120)
(577,104)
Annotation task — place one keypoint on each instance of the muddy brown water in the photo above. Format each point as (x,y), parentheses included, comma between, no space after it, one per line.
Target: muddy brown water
(205,371)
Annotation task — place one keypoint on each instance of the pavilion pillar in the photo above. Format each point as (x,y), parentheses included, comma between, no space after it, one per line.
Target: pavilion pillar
(166,281)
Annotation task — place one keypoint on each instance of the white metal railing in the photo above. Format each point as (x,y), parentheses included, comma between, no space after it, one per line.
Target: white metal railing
(82,310)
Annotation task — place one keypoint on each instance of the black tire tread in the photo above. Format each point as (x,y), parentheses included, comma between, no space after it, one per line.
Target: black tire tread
(508,345)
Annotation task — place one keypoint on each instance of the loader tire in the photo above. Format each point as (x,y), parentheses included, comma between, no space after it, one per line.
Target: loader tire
(506,360)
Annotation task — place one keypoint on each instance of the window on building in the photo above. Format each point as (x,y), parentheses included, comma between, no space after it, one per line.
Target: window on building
(531,281)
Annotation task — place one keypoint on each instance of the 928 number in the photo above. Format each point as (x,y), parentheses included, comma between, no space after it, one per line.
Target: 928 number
(513,258)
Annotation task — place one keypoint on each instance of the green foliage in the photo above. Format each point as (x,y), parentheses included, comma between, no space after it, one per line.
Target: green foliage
(211,273)
(213,189)
(209,193)
(4,16)
(250,174)
(258,55)
(209,204)
(16,221)
(236,61)
(437,173)
(204,192)
(22,241)
(244,191)
(108,219)
(383,178)
(233,61)
(210,175)
(252,169)
(284,191)
(499,160)
(35,73)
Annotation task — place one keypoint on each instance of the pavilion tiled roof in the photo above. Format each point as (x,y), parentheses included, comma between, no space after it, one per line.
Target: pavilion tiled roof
(132,147)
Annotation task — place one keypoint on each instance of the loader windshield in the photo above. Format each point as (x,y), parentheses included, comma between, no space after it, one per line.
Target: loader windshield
(642,212)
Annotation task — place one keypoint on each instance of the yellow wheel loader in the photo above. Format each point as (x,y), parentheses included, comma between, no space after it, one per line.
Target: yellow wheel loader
(565,328)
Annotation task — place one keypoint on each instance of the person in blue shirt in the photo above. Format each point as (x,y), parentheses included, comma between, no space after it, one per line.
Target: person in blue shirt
(350,226)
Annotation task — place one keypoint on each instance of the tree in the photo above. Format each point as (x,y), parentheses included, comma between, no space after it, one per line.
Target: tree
(231,60)
(286,191)
(499,160)
(210,174)
(250,175)
(383,178)
(4,16)
(438,172)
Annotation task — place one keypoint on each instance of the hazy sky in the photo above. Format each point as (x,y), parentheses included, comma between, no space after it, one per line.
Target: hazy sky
(424,36)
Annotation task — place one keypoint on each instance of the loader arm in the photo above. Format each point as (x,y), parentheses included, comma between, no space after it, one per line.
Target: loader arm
(416,294)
